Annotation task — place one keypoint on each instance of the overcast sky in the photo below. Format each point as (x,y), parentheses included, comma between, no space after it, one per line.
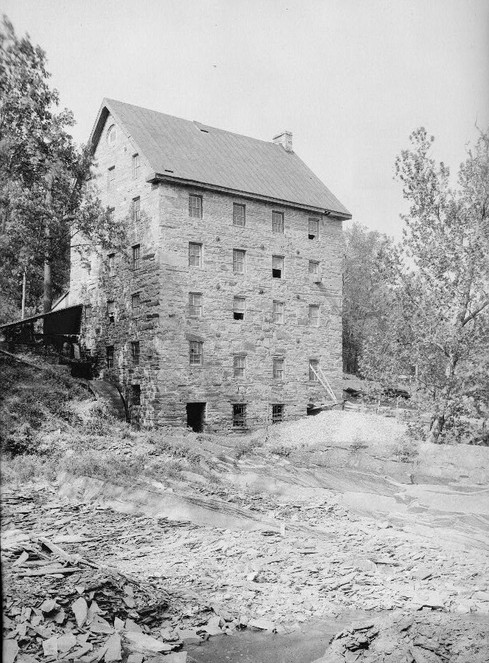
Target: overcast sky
(350,78)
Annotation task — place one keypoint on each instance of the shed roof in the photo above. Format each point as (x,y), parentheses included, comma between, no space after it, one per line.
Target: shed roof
(187,151)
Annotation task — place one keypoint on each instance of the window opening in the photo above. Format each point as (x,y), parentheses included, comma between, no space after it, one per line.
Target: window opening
(239,304)
(195,206)
(135,302)
(109,355)
(278,368)
(238,261)
(313,267)
(196,353)
(111,311)
(277,413)
(313,369)
(194,254)
(277,267)
(135,352)
(136,394)
(136,256)
(278,222)
(239,214)
(313,228)
(136,209)
(239,366)
(111,264)
(239,415)
(195,304)
(278,312)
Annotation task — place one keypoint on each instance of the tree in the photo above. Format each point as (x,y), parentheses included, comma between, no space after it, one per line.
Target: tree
(45,192)
(439,323)
(367,272)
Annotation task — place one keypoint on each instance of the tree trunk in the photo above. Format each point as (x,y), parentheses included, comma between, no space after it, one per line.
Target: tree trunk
(436,428)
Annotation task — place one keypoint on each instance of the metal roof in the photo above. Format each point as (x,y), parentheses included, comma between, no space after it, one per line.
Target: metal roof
(194,153)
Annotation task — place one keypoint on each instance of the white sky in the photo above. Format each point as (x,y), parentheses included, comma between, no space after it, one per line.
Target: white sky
(350,78)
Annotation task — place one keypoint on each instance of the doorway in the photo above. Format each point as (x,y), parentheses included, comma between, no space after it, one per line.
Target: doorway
(196,416)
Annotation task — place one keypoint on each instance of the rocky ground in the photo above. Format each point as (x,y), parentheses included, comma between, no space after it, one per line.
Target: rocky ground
(85,582)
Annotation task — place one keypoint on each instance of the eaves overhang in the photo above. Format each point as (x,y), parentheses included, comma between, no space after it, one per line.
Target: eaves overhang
(155,178)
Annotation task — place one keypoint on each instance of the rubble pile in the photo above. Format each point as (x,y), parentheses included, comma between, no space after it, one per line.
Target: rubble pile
(408,638)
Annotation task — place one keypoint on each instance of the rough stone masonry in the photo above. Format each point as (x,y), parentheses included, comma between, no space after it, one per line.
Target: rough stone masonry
(213,314)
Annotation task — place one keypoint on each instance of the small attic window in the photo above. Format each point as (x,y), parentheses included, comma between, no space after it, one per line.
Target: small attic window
(111,134)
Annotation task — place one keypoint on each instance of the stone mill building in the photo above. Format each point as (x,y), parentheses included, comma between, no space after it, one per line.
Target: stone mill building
(224,310)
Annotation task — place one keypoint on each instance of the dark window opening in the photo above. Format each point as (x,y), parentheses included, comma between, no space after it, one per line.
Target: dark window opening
(277,266)
(196,416)
(136,394)
(135,302)
(111,311)
(277,413)
(239,308)
(109,355)
(239,415)
(313,228)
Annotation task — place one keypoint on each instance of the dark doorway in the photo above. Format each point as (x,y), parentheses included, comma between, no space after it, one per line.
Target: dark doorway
(196,416)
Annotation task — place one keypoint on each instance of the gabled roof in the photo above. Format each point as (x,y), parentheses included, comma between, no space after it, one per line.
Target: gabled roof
(190,152)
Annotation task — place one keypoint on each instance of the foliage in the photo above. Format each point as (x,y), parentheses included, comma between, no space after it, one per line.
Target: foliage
(437,325)
(45,194)
(369,260)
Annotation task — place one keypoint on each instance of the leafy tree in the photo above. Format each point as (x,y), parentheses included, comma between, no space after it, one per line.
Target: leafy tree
(367,272)
(45,193)
(438,325)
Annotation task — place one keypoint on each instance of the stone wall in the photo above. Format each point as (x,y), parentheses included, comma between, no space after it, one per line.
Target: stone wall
(163,325)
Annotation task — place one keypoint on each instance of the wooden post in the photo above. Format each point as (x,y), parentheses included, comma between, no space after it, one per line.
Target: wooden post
(48,284)
(24,278)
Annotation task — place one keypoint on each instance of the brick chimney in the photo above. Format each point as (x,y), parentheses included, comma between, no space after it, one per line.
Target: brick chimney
(285,140)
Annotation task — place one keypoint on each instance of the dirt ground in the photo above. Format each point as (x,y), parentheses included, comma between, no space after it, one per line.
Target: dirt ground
(334,523)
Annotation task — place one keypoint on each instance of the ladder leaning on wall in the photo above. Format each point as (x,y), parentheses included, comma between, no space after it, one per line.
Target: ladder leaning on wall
(318,372)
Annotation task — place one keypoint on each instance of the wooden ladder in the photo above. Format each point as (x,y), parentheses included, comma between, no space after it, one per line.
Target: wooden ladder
(324,382)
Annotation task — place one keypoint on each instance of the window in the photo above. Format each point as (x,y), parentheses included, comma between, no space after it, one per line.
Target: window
(109,356)
(135,166)
(239,214)
(111,264)
(313,267)
(278,222)
(111,134)
(314,315)
(136,209)
(111,310)
(239,415)
(195,304)
(313,370)
(239,305)
(196,353)
(194,254)
(238,261)
(135,353)
(136,394)
(136,256)
(239,365)
(278,368)
(195,206)
(111,178)
(278,312)
(135,302)
(277,413)
(277,267)
(313,228)
(88,312)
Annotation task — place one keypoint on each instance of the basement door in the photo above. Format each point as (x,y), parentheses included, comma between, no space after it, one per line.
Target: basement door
(196,416)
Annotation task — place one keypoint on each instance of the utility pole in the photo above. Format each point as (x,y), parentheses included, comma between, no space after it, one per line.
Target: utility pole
(24,279)
(48,284)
